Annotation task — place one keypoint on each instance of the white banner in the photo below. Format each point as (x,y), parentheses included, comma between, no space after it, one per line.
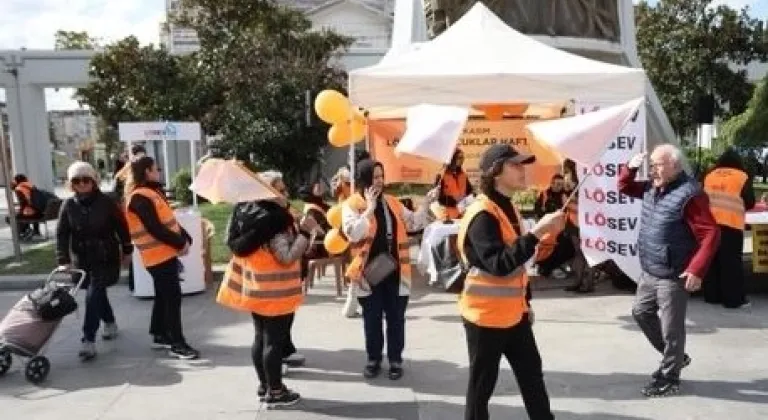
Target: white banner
(608,220)
(158,131)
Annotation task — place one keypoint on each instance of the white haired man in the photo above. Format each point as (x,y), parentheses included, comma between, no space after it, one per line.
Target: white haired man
(677,241)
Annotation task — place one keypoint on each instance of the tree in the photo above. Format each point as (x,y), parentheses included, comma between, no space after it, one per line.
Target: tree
(73,40)
(750,128)
(688,49)
(135,83)
(260,59)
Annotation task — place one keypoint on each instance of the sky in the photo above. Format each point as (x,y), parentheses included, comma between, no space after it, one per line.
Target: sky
(32,24)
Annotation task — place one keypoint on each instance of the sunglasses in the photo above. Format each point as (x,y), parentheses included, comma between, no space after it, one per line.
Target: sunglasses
(81,180)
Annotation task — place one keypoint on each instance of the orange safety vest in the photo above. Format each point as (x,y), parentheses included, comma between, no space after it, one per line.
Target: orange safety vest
(723,186)
(487,300)
(360,250)
(25,188)
(454,186)
(261,284)
(152,251)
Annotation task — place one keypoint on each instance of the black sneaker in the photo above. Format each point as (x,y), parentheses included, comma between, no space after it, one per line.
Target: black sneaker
(285,398)
(372,370)
(686,362)
(160,342)
(184,352)
(661,388)
(395,371)
(261,392)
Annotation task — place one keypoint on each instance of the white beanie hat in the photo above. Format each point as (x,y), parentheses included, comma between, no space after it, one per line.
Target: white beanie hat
(80,170)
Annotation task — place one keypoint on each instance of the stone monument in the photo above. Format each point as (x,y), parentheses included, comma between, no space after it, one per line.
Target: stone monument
(594,19)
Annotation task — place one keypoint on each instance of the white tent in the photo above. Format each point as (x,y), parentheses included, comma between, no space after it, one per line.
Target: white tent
(480,59)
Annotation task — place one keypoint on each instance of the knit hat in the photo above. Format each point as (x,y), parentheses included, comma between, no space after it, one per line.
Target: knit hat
(81,170)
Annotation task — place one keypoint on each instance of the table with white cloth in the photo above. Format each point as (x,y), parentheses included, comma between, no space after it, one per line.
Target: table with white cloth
(435,243)
(434,237)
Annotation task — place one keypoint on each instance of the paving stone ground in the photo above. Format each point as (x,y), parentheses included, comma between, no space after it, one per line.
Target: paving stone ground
(595,362)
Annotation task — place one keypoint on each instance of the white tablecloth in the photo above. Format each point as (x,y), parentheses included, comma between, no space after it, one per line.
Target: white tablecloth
(434,234)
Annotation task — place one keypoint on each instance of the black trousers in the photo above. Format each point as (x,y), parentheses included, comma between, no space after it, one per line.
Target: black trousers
(269,344)
(724,282)
(518,345)
(166,311)
(24,223)
(384,300)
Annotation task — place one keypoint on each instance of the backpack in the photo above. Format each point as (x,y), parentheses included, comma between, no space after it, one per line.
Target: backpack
(52,302)
(39,199)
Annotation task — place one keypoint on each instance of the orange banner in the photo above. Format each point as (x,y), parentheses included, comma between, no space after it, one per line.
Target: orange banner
(478,135)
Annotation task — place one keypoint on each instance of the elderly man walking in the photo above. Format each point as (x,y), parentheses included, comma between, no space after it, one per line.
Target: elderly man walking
(678,238)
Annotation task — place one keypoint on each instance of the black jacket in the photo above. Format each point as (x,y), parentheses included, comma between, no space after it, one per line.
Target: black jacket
(92,234)
(253,224)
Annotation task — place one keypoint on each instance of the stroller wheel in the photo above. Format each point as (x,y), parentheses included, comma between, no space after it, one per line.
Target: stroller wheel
(37,369)
(5,361)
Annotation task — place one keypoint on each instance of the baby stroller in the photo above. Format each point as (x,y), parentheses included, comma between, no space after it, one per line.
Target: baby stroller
(27,328)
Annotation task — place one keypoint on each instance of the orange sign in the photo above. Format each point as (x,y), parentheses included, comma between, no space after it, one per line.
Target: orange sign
(478,135)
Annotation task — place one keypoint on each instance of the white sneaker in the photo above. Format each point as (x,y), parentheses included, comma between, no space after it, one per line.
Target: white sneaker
(110,331)
(87,350)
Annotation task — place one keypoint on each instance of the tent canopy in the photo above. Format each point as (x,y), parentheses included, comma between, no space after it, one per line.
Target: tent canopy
(479,60)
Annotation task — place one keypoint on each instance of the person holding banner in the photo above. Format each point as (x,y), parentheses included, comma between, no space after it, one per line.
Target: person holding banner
(677,240)
(454,186)
(495,248)
(380,270)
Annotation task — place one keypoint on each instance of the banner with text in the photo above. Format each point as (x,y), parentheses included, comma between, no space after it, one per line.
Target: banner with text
(608,220)
(476,137)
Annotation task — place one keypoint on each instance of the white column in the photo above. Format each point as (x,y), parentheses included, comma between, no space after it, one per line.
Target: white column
(30,138)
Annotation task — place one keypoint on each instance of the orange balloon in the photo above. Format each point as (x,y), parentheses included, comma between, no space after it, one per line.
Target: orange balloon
(357,129)
(334,243)
(332,106)
(339,135)
(333,215)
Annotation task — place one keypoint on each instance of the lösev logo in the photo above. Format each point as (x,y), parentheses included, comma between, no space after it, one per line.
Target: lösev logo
(609,197)
(610,246)
(604,169)
(623,224)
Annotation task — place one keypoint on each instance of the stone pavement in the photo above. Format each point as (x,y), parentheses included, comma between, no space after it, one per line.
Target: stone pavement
(595,362)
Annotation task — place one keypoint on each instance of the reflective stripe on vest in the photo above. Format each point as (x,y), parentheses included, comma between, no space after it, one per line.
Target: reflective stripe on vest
(260,284)
(152,251)
(361,249)
(487,300)
(723,186)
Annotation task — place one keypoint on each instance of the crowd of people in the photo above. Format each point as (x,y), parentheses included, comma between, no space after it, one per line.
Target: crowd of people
(691,236)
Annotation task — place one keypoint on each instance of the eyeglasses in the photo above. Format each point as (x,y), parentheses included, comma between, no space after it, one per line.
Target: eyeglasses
(81,180)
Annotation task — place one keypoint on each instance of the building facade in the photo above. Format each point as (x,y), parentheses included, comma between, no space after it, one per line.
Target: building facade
(74,133)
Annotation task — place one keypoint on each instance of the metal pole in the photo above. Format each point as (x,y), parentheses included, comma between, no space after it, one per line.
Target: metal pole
(166,169)
(9,194)
(192,164)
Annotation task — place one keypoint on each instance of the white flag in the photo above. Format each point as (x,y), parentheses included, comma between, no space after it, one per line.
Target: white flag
(584,138)
(432,131)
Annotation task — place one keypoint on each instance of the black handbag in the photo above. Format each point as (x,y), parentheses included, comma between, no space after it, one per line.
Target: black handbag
(52,302)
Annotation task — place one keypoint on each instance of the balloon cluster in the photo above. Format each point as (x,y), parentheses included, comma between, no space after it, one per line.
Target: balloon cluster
(335,242)
(347,122)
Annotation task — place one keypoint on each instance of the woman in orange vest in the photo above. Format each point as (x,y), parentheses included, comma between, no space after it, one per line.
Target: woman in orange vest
(454,186)
(495,248)
(731,194)
(264,278)
(583,275)
(23,189)
(160,241)
(376,226)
